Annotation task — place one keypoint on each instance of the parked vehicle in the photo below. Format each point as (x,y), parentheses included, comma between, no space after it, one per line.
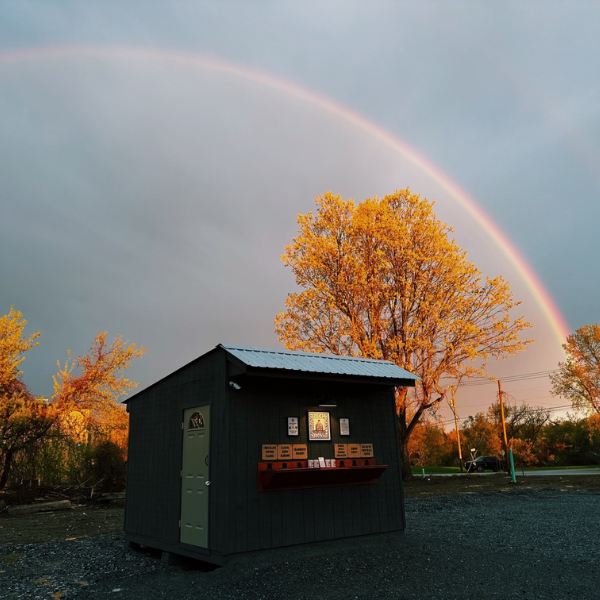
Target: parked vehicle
(483,463)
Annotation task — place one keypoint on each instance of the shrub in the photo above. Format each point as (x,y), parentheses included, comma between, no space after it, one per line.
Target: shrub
(108,467)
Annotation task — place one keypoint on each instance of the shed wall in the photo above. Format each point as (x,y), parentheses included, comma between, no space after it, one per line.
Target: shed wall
(241,518)
(258,415)
(153,502)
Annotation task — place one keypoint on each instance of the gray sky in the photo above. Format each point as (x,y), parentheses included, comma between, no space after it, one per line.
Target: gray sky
(153,196)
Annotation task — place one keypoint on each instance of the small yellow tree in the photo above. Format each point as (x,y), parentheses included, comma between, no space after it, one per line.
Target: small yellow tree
(13,346)
(382,280)
(578,379)
(24,419)
(91,385)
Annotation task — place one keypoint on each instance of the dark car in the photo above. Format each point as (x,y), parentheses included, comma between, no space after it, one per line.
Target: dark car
(483,463)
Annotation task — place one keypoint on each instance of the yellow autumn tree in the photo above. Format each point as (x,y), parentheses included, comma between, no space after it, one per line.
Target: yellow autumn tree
(87,389)
(382,279)
(13,345)
(24,419)
(578,379)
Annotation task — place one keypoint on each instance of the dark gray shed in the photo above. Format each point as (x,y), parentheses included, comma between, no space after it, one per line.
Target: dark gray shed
(246,449)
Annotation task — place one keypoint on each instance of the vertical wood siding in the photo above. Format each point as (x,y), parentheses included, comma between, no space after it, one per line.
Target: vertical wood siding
(258,415)
(241,519)
(153,503)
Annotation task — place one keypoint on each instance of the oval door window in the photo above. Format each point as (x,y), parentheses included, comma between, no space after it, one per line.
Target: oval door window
(196,421)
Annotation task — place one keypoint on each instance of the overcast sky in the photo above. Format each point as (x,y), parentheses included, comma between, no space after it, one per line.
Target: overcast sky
(150,193)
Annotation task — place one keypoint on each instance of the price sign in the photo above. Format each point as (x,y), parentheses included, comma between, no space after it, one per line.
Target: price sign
(285,451)
(341,451)
(300,451)
(269,452)
(353,450)
(366,450)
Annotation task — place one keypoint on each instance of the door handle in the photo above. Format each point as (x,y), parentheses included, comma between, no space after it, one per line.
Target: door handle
(207,483)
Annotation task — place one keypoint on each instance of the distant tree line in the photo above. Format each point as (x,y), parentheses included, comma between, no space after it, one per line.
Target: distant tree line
(537,440)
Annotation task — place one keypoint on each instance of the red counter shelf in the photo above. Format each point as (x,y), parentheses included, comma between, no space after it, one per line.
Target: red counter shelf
(295,474)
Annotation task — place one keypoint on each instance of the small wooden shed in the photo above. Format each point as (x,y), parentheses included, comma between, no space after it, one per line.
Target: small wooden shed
(246,449)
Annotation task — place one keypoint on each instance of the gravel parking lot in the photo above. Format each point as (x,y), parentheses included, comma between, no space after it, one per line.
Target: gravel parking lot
(521,544)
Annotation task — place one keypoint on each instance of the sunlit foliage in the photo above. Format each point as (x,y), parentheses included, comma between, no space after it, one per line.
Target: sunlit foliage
(430,445)
(99,375)
(382,279)
(65,438)
(87,391)
(24,419)
(13,346)
(535,439)
(578,379)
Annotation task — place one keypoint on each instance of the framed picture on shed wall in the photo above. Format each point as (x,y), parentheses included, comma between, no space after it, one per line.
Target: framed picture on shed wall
(319,428)
(344,426)
(292,425)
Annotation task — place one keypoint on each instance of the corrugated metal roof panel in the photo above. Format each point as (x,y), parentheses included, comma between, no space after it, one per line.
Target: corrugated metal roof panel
(311,362)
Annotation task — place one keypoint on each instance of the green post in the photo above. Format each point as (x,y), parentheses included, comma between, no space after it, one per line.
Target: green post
(423,470)
(512,466)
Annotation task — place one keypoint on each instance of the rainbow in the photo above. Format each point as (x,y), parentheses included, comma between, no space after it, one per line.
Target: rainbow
(539,293)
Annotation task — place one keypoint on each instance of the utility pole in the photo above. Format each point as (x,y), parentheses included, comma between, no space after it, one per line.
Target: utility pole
(453,405)
(506,457)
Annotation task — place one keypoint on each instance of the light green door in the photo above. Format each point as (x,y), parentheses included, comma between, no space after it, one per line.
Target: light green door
(195,476)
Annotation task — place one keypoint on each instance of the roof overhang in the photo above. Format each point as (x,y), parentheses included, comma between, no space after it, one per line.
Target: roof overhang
(237,355)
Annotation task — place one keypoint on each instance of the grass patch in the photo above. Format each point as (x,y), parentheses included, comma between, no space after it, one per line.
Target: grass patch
(517,468)
(435,470)
(454,470)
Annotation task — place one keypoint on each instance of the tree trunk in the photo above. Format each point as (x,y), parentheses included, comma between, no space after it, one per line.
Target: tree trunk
(6,468)
(406,472)
(403,435)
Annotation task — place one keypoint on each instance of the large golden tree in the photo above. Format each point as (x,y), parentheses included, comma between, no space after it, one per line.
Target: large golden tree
(382,279)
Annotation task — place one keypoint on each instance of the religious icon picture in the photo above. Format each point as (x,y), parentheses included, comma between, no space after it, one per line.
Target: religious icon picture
(319,426)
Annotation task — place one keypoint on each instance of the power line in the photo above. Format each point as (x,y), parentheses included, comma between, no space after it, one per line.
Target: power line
(533,397)
(488,403)
(537,387)
(509,378)
(529,411)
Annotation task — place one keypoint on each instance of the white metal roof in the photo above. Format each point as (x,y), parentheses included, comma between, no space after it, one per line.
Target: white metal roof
(312,362)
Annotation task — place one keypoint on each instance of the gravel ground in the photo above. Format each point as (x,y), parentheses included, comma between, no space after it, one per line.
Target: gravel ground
(521,544)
